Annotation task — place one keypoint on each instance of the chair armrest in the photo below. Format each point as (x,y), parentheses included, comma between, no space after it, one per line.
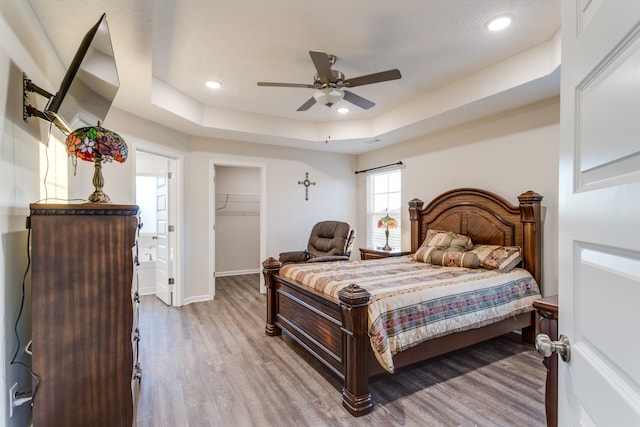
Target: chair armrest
(294,256)
(329,258)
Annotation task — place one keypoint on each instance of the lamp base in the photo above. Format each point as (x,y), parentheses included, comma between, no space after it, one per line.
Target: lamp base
(386,246)
(98,197)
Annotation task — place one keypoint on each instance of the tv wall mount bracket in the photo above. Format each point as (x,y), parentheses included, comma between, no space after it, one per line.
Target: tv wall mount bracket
(27,110)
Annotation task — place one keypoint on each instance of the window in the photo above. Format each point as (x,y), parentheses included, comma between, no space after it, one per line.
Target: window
(383,197)
(146,200)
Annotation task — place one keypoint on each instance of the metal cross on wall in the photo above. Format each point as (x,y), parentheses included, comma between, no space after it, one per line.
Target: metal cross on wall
(306,184)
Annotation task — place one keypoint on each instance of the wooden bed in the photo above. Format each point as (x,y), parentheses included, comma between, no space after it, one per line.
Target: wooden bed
(336,333)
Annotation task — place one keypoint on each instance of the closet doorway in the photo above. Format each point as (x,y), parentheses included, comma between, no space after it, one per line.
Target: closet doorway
(237,239)
(157,196)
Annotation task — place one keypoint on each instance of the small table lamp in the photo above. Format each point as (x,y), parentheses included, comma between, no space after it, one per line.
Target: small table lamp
(387,222)
(97,144)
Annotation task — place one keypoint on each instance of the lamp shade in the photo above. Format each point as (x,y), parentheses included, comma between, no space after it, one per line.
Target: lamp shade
(89,142)
(97,144)
(328,96)
(387,222)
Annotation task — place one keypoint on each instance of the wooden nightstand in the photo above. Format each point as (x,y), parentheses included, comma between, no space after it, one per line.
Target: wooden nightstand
(547,308)
(369,253)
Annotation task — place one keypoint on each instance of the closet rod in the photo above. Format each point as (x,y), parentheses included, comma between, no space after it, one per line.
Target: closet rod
(380,167)
(227,195)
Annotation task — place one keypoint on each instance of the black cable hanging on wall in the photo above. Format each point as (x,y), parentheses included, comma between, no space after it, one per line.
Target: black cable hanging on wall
(380,167)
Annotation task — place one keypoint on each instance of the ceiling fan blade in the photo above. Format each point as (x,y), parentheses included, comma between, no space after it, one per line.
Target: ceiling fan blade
(382,76)
(286,85)
(358,100)
(322,64)
(307,105)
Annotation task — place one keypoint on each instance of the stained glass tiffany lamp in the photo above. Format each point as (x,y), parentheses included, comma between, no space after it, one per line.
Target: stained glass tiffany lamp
(387,222)
(97,144)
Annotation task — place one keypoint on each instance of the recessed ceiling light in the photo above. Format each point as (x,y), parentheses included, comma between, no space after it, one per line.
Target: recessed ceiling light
(499,22)
(213,85)
(343,110)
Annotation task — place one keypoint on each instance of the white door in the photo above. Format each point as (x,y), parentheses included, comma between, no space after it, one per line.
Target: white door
(599,208)
(163,257)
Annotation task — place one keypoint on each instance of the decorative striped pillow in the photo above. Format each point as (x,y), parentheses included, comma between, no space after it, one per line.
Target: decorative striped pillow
(501,258)
(441,239)
(438,238)
(449,258)
(423,254)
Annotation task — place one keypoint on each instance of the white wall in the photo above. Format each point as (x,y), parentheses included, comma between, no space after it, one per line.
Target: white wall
(507,154)
(289,216)
(333,196)
(20,180)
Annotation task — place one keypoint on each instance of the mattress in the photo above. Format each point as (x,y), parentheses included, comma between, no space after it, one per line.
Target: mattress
(412,302)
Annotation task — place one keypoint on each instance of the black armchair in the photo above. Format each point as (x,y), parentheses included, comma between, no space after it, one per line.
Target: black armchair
(329,241)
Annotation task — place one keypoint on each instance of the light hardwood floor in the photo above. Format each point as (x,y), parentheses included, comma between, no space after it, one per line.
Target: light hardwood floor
(210,364)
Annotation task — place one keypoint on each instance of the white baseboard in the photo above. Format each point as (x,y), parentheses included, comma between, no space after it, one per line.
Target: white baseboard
(203,298)
(147,291)
(198,298)
(236,272)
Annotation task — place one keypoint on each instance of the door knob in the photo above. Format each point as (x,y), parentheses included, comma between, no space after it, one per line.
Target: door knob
(546,347)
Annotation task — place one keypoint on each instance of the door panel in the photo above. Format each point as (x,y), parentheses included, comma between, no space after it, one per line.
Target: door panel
(599,201)
(163,291)
(603,277)
(607,104)
(600,354)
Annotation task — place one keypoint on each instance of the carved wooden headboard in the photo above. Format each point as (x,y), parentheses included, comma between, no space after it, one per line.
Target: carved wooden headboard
(487,219)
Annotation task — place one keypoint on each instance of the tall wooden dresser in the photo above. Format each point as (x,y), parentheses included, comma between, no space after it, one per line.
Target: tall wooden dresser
(84,329)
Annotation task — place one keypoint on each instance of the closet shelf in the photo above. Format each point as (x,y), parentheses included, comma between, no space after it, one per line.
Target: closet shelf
(237,204)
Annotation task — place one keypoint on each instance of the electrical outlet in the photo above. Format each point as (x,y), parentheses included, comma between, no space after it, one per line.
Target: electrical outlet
(12,398)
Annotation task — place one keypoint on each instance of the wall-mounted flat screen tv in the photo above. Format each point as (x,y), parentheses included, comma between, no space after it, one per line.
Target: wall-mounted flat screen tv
(89,85)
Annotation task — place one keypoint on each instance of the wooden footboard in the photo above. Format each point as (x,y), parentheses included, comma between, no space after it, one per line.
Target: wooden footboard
(336,332)
(309,318)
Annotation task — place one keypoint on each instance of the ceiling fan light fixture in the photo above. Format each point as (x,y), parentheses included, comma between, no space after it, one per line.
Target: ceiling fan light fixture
(329,83)
(499,22)
(328,96)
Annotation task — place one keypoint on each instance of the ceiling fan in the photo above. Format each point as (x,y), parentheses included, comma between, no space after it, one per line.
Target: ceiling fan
(330,84)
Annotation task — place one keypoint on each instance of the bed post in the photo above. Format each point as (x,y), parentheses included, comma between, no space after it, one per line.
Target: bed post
(414,206)
(356,397)
(271,267)
(532,233)
(530,217)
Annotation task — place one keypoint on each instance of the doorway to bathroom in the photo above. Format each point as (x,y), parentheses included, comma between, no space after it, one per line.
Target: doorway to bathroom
(157,196)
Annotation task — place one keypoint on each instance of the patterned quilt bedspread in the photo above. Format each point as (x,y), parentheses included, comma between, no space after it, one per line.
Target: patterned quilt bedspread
(412,302)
